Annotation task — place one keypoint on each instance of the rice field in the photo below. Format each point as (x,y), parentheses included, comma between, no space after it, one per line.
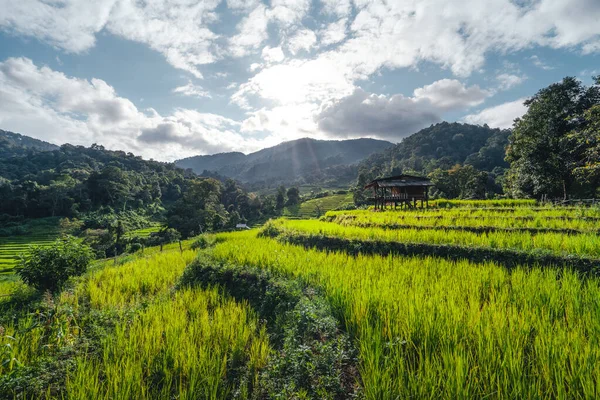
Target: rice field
(123,331)
(583,244)
(42,233)
(144,232)
(416,326)
(317,207)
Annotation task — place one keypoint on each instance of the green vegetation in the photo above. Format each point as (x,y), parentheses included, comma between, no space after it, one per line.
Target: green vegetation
(587,244)
(49,268)
(122,332)
(41,232)
(552,145)
(455,329)
(317,207)
(380,305)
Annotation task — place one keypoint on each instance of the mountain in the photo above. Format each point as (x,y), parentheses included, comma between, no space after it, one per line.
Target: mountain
(303,159)
(14,144)
(441,146)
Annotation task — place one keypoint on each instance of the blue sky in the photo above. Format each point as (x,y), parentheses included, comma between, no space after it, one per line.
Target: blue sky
(172,78)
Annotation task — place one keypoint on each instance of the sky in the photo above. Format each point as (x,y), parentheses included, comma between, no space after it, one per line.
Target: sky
(167,79)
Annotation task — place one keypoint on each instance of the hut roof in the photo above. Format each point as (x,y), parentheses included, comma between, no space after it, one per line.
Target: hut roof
(400,181)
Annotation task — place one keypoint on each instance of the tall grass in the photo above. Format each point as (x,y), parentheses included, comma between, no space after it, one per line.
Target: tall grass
(431,328)
(127,284)
(484,203)
(585,244)
(123,332)
(451,219)
(193,345)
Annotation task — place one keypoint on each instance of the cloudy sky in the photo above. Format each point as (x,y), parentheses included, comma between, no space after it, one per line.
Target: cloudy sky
(171,78)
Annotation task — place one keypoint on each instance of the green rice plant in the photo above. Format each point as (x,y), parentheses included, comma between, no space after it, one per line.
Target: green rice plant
(400,220)
(195,344)
(125,285)
(444,203)
(585,244)
(432,328)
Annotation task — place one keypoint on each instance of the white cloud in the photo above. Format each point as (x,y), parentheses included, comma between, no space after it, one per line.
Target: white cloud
(334,33)
(288,12)
(242,5)
(395,117)
(340,8)
(456,34)
(363,114)
(70,25)
(539,63)
(252,32)
(295,82)
(304,39)
(192,90)
(273,54)
(500,116)
(49,105)
(448,94)
(508,81)
(587,73)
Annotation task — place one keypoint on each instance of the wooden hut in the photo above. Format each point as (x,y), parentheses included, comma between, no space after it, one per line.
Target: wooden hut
(403,190)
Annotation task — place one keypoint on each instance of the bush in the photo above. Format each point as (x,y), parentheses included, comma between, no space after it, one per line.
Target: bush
(164,236)
(49,268)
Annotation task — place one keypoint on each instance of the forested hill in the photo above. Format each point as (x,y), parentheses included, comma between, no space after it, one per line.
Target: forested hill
(14,144)
(307,159)
(441,146)
(74,179)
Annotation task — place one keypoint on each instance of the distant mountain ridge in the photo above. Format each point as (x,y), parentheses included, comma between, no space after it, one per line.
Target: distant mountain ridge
(287,161)
(14,144)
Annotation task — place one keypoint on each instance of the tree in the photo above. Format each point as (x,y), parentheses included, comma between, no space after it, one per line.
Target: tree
(110,186)
(199,209)
(541,153)
(588,138)
(465,182)
(56,193)
(280,198)
(293,195)
(358,192)
(49,268)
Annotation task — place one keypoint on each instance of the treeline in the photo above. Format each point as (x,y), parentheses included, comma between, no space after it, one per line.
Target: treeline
(553,151)
(98,187)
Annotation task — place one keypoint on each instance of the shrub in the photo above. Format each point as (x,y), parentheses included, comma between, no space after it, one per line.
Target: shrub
(49,268)
(134,247)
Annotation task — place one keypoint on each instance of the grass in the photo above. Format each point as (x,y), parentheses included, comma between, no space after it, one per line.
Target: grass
(484,203)
(123,331)
(428,327)
(261,318)
(316,207)
(391,219)
(187,346)
(584,244)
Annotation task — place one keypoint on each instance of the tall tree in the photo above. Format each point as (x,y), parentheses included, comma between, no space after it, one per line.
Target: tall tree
(588,138)
(293,195)
(199,209)
(280,198)
(540,151)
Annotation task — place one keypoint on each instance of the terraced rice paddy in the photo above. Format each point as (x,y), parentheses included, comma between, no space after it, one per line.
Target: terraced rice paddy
(317,207)
(144,232)
(41,234)
(364,319)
